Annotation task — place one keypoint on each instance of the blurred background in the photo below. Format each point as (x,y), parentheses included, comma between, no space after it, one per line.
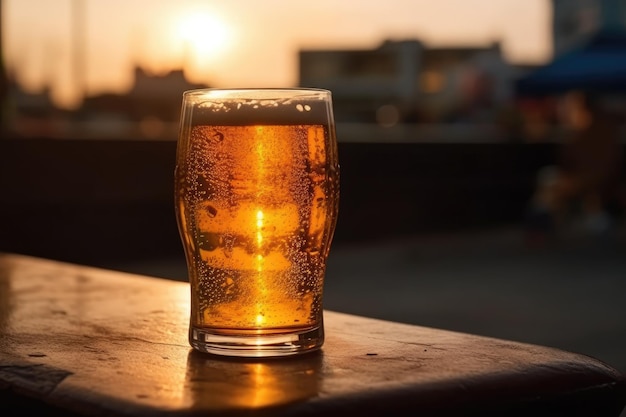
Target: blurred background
(480,143)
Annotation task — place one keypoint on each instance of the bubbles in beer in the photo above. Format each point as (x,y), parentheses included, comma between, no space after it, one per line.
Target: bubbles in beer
(258,204)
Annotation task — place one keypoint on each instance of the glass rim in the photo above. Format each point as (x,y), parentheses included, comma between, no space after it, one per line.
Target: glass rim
(254,92)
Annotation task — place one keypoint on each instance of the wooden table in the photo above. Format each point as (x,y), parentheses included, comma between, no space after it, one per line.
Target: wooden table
(87,341)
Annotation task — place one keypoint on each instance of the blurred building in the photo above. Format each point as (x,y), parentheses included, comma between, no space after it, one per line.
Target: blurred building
(150,109)
(574,21)
(589,41)
(31,113)
(405,81)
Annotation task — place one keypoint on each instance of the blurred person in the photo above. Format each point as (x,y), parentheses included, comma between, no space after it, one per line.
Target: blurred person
(587,174)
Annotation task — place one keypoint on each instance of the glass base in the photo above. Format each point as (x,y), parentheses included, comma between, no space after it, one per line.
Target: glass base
(256,345)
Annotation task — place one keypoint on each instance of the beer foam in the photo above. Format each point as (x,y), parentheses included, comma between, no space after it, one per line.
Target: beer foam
(301,107)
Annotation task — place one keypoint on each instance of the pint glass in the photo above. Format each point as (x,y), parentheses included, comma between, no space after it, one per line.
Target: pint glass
(257,194)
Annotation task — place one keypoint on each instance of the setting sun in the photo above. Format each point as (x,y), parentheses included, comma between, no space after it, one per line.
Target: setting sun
(203,35)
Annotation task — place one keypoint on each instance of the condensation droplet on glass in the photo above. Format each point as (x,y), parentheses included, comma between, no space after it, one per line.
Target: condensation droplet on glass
(212,211)
(307,107)
(218,136)
(299,107)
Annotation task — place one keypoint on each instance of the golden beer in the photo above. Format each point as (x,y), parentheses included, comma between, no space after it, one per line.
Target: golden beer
(257,186)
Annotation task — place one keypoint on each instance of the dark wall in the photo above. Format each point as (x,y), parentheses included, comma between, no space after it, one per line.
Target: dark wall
(90,201)
(404,188)
(87,200)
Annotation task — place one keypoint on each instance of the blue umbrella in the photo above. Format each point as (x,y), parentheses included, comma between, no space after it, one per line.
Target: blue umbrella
(599,66)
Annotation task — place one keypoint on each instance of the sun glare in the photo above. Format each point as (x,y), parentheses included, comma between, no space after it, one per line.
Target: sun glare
(203,35)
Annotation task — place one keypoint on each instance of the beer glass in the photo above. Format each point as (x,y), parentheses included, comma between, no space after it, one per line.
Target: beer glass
(257,194)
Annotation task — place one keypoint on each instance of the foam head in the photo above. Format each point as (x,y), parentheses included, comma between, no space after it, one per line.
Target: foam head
(257,106)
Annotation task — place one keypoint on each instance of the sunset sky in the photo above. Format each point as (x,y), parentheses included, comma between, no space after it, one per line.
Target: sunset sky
(237,43)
